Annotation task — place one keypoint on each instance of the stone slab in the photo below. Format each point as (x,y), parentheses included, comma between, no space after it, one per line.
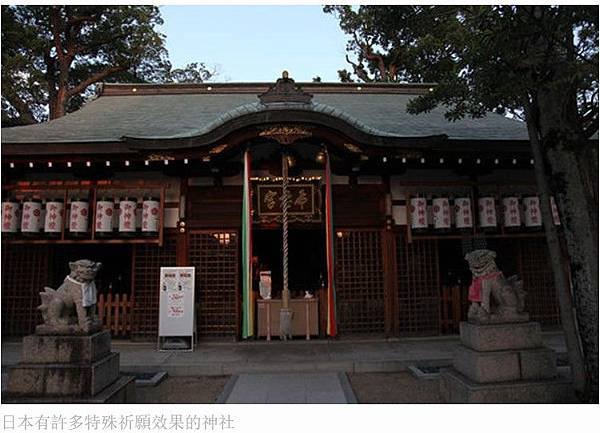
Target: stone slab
(538,363)
(62,349)
(120,391)
(68,380)
(487,366)
(508,336)
(288,388)
(456,388)
(508,365)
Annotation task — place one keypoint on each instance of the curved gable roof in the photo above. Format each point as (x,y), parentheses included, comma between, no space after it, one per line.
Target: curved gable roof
(178,113)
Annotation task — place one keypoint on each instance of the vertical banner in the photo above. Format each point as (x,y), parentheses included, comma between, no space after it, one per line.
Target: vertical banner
(247,307)
(441,213)
(532,212)
(555,214)
(418,213)
(510,211)
(331,319)
(462,213)
(487,212)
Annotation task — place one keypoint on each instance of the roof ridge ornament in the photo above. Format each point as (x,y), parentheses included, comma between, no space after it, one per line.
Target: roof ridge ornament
(285,90)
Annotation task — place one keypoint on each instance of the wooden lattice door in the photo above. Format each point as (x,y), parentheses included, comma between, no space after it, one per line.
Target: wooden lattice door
(359,279)
(418,286)
(534,269)
(147,261)
(25,272)
(215,257)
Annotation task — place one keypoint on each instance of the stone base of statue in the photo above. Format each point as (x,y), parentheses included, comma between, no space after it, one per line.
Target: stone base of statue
(503,363)
(68,369)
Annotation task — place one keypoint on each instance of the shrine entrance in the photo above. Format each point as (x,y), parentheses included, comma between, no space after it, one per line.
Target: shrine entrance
(300,259)
(307,269)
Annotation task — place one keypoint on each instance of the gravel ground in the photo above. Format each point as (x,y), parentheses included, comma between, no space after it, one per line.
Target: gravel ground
(199,389)
(401,387)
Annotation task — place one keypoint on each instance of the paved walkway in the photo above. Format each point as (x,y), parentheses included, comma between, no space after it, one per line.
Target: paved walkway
(296,356)
(288,388)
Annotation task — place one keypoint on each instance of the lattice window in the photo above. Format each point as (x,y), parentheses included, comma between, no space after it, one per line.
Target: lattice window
(215,256)
(418,286)
(359,282)
(534,269)
(24,275)
(147,262)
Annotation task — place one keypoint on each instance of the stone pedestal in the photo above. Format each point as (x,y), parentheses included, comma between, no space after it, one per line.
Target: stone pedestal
(503,363)
(68,368)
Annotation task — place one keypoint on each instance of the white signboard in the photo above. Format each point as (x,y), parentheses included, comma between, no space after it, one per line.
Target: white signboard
(176,305)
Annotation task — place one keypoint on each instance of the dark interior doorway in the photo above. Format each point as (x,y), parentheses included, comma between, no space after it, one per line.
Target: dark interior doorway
(306,258)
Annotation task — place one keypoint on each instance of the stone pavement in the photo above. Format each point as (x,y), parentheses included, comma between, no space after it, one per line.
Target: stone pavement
(296,356)
(288,388)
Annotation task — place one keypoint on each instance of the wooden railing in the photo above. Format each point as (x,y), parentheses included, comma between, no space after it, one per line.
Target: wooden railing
(115,311)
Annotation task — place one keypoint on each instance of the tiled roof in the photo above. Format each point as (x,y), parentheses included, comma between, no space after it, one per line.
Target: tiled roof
(181,114)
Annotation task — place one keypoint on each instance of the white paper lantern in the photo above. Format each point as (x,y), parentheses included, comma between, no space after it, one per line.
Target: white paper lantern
(78,217)
(555,214)
(510,212)
(418,213)
(441,213)
(105,210)
(127,208)
(31,218)
(10,216)
(150,215)
(531,211)
(487,212)
(463,215)
(53,220)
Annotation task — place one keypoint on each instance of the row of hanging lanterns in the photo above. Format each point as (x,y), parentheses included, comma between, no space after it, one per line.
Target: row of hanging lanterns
(442,213)
(124,218)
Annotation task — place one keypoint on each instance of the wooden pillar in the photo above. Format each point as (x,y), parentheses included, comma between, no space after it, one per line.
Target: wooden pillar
(390,282)
(182,228)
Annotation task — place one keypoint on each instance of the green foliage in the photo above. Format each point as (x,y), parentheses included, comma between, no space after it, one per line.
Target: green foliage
(483,58)
(191,73)
(53,55)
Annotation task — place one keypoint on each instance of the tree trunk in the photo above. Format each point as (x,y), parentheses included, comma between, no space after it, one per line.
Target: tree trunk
(559,273)
(559,141)
(58,104)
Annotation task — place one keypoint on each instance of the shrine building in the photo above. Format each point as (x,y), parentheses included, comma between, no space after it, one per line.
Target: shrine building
(381,207)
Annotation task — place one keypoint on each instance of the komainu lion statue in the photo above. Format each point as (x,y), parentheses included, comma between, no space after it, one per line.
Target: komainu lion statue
(494,298)
(71,309)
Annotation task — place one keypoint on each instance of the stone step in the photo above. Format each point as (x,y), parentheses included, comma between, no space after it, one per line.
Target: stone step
(67,380)
(63,349)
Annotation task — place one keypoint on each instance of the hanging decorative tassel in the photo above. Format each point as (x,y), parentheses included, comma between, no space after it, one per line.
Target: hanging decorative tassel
(247,303)
(331,316)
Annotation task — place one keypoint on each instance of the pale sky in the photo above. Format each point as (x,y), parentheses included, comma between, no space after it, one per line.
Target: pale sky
(256,43)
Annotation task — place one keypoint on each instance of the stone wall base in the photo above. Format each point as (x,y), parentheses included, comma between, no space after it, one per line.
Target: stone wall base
(505,365)
(69,369)
(84,380)
(456,388)
(119,392)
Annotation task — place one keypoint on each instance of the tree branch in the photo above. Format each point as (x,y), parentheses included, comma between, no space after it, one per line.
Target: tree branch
(94,79)
(367,51)
(54,27)
(26,116)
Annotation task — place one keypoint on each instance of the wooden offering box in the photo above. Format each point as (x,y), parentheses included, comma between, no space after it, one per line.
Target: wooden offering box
(305,319)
